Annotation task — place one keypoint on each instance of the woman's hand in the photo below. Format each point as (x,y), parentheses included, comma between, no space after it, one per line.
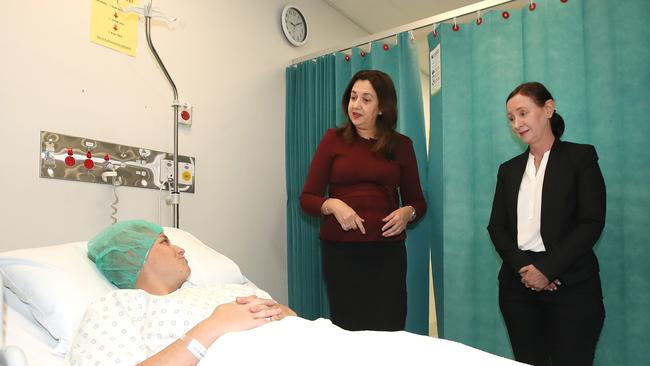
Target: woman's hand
(396,221)
(344,214)
(553,286)
(532,278)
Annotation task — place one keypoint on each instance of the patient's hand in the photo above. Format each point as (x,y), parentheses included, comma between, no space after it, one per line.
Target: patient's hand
(257,304)
(234,317)
(286,311)
(265,304)
(230,317)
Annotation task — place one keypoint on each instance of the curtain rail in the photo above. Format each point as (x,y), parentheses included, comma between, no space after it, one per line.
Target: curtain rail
(485,4)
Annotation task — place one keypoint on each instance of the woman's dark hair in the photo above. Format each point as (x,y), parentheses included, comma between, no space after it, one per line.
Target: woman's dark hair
(539,94)
(386,122)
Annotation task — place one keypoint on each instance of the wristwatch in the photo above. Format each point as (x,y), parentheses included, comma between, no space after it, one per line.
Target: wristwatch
(413,215)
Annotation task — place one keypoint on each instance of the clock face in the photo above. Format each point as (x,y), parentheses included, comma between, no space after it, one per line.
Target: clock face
(294,26)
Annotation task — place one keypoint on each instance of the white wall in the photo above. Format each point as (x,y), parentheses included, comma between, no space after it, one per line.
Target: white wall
(227,59)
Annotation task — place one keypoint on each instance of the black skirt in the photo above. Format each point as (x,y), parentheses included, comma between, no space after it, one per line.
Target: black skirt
(366,284)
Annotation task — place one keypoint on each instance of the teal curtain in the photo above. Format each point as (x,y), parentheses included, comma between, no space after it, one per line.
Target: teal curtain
(311,107)
(593,56)
(308,111)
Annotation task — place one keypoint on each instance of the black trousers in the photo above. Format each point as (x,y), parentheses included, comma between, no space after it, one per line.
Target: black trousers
(553,328)
(366,284)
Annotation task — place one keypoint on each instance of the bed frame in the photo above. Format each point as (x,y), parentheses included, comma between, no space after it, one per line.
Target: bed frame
(9,355)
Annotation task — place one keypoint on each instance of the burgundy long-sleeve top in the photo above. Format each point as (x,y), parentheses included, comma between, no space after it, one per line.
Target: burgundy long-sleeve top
(365,181)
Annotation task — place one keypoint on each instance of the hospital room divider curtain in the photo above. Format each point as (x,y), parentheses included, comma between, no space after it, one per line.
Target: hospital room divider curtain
(593,56)
(311,109)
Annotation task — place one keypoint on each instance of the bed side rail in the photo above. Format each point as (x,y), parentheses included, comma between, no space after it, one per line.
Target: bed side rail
(9,355)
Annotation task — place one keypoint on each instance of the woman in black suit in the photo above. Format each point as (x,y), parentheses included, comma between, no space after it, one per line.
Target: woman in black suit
(547,215)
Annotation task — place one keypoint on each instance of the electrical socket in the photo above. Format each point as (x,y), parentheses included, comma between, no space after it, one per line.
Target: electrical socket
(166,170)
(185,172)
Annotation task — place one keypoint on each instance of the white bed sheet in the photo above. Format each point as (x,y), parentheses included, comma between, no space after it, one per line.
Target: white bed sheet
(299,341)
(296,341)
(21,331)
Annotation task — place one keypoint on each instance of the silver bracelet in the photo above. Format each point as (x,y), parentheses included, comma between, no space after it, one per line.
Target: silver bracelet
(195,347)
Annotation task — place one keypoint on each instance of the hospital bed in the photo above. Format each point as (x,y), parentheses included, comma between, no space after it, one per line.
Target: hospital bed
(46,291)
(21,332)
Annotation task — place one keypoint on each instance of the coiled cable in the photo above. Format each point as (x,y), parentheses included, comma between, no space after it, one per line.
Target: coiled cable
(115,202)
(115,181)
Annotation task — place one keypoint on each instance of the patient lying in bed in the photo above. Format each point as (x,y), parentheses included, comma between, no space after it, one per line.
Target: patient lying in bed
(161,319)
(155,320)
(130,326)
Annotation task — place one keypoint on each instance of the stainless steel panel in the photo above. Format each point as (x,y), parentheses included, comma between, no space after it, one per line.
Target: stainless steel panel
(135,166)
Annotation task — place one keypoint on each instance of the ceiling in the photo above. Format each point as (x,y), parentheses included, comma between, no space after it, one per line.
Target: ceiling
(375,16)
(379,15)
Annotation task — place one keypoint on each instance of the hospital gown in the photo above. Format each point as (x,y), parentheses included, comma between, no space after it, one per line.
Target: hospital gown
(127,326)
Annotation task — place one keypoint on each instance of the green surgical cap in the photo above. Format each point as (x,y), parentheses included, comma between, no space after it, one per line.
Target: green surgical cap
(120,250)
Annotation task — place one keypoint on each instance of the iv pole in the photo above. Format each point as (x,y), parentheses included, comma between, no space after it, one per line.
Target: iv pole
(148,12)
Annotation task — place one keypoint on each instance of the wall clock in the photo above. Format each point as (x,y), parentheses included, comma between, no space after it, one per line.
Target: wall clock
(294,25)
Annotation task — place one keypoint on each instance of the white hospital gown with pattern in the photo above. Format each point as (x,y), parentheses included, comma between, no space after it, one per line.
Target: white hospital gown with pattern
(128,326)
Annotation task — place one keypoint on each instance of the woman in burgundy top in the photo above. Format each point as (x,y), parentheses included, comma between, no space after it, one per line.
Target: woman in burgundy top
(359,175)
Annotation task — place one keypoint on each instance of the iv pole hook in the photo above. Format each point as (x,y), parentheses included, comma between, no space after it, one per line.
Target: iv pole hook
(148,12)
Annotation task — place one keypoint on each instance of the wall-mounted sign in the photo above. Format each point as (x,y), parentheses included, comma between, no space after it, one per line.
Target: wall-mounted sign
(112,28)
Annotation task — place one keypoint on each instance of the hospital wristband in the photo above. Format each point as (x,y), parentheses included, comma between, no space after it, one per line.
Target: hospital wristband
(195,347)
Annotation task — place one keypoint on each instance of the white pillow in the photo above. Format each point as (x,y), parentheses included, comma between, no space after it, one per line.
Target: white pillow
(58,282)
(209,267)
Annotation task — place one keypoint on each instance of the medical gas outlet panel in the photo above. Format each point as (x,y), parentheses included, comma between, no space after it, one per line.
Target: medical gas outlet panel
(83,159)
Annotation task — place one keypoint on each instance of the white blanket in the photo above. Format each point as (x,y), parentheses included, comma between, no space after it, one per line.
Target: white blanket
(128,326)
(296,341)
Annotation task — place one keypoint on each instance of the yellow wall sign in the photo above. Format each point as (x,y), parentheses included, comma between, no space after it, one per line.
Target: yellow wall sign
(113,28)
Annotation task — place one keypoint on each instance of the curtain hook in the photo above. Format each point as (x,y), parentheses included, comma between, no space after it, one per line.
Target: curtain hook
(455,27)
(435,30)
(411,35)
(479,18)
(532,5)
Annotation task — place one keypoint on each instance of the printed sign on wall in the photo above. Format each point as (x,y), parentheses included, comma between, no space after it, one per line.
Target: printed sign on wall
(112,28)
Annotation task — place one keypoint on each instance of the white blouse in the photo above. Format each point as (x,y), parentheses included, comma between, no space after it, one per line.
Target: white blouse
(529,206)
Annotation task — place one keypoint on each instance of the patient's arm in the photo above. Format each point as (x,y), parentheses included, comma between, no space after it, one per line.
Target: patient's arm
(231,317)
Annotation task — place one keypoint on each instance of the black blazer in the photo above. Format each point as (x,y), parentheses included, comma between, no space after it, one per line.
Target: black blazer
(572,213)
